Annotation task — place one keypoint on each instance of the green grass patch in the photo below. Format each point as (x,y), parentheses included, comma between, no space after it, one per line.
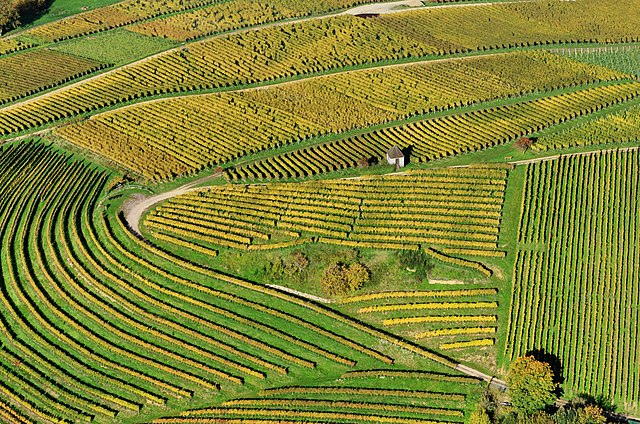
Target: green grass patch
(118,47)
(62,8)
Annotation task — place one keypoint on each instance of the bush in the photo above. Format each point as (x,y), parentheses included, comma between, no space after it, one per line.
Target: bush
(416,260)
(479,416)
(340,279)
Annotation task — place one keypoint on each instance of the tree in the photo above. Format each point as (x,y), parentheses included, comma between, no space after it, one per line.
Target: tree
(524,143)
(357,275)
(363,163)
(11,11)
(333,281)
(8,16)
(531,385)
(339,279)
(591,414)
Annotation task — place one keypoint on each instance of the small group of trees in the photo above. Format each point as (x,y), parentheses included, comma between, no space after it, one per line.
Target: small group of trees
(290,266)
(533,390)
(13,11)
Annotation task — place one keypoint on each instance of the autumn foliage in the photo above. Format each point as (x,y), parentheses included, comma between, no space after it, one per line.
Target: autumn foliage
(12,11)
(340,279)
(531,385)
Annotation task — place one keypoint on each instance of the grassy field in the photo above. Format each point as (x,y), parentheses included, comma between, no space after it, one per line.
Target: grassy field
(118,46)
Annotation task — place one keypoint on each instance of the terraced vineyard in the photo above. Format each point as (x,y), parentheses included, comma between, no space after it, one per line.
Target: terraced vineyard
(617,127)
(22,74)
(110,17)
(320,45)
(444,319)
(125,341)
(623,58)
(358,396)
(577,268)
(217,228)
(457,209)
(13,45)
(184,135)
(235,14)
(439,137)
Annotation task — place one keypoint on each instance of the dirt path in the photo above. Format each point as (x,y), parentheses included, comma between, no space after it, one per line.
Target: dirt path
(572,155)
(301,294)
(482,376)
(135,207)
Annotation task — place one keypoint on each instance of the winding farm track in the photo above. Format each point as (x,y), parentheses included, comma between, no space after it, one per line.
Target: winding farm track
(135,207)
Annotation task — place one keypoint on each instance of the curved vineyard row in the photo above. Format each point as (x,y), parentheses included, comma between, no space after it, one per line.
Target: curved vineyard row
(438,137)
(618,127)
(321,45)
(367,396)
(179,136)
(28,73)
(440,319)
(576,281)
(109,17)
(112,332)
(451,207)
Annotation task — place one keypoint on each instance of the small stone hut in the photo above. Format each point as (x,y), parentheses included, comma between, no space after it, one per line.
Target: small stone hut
(395,157)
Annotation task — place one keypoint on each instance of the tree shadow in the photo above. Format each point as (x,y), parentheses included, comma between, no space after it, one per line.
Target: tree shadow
(600,401)
(31,12)
(553,361)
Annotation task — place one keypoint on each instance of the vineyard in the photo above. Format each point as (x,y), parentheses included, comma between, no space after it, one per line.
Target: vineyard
(439,137)
(617,127)
(622,58)
(368,396)
(184,135)
(125,341)
(226,16)
(317,46)
(22,74)
(110,17)
(319,211)
(449,209)
(577,268)
(444,319)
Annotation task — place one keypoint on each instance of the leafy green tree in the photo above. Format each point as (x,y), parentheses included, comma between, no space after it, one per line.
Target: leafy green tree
(531,385)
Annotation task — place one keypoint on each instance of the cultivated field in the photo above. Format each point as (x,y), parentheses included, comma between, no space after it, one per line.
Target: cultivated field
(576,276)
(331,211)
